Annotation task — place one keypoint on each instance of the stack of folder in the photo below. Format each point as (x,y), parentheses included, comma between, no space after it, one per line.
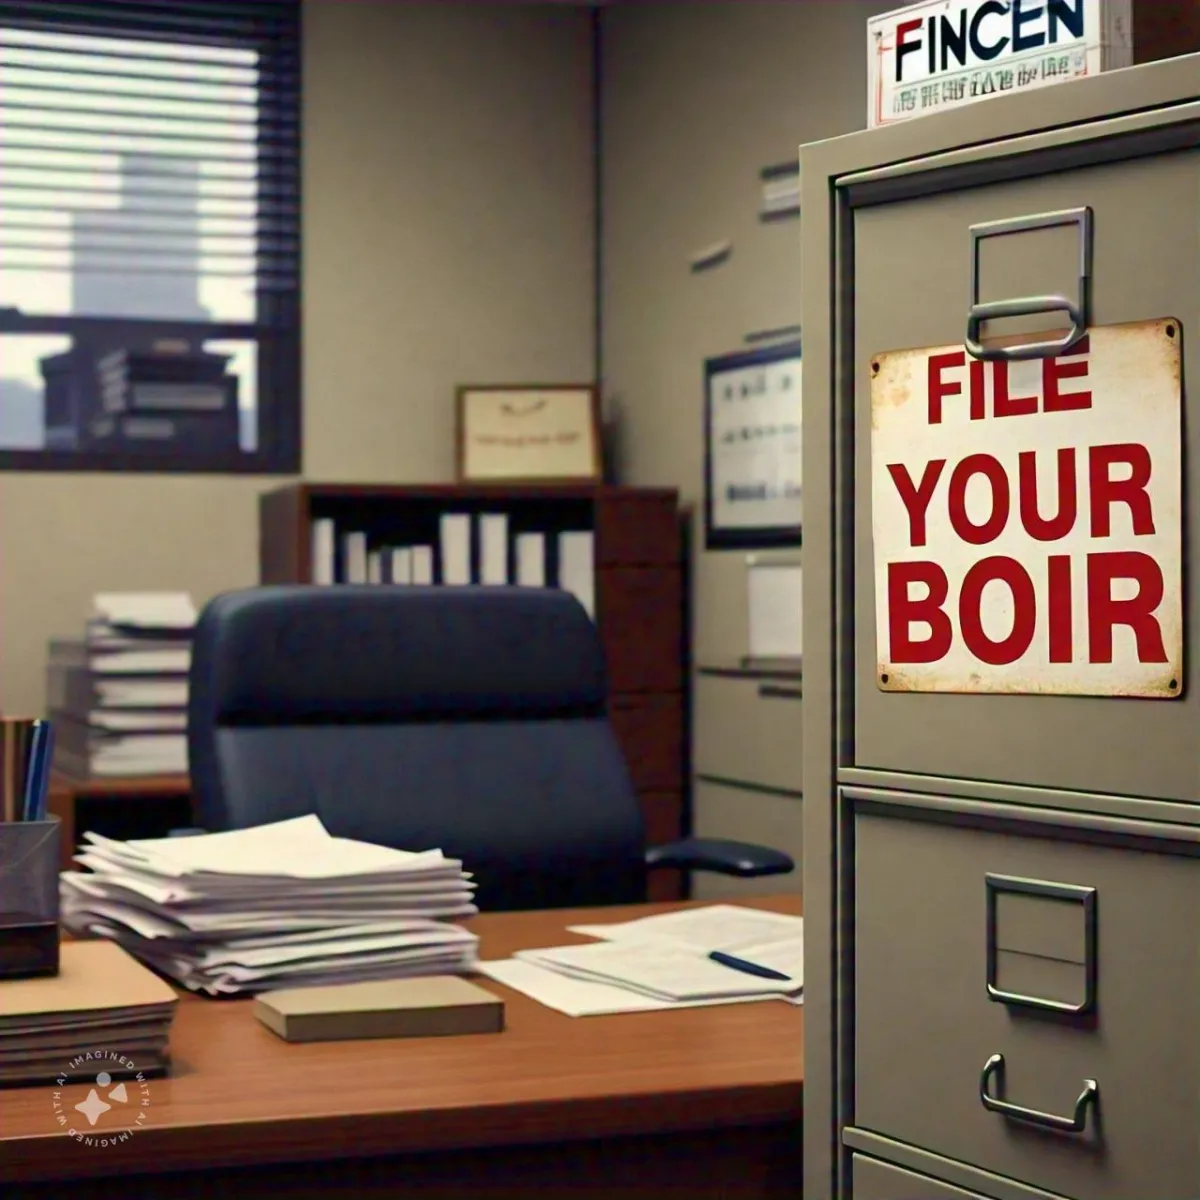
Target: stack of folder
(102,1012)
(282,905)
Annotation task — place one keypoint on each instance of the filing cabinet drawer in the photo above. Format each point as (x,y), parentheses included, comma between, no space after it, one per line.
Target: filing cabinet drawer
(746,815)
(875,1180)
(749,730)
(1139,270)
(1074,925)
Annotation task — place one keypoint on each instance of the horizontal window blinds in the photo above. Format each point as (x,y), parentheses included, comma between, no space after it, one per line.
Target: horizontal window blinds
(151,141)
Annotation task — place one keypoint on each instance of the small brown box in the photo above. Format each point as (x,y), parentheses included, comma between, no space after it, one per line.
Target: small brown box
(429,1006)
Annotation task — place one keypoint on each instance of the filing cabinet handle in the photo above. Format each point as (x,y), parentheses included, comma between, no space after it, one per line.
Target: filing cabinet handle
(1076,1123)
(775,691)
(1027,306)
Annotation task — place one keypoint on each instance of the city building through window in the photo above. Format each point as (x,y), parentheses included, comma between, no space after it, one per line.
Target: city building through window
(149,235)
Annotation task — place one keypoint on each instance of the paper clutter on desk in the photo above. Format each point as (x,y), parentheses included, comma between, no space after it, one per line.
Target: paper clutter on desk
(664,962)
(275,906)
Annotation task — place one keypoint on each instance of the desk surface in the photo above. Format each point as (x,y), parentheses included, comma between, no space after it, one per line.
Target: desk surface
(122,785)
(239,1095)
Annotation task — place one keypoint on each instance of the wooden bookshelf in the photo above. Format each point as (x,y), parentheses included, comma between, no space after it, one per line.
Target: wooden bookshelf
(639,595)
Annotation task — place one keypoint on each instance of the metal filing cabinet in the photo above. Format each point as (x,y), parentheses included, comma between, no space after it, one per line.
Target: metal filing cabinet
(1002,881)
(747,759)
(748,769)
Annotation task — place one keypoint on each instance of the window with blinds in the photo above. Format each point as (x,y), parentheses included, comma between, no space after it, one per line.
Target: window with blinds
(150,234)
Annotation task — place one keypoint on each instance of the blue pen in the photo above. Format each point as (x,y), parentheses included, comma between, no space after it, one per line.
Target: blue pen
(748,968)
(37,780)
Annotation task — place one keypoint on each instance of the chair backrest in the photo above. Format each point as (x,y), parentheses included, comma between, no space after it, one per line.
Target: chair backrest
(468,719)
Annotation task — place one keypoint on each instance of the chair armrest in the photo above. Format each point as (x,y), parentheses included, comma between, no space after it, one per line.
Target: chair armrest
(743,859)
(186,832)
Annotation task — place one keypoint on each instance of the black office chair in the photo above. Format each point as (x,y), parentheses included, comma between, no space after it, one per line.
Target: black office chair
(468,719)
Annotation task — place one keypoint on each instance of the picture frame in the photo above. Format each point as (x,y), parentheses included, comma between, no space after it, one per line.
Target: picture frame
(752,448)
(535,433)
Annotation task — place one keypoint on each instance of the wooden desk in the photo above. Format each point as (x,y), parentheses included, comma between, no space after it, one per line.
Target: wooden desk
(701,1103)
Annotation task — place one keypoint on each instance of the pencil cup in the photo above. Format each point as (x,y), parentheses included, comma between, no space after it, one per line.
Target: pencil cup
(29,862)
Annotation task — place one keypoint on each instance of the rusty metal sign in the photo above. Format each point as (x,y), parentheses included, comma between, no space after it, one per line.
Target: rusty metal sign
(1027,518)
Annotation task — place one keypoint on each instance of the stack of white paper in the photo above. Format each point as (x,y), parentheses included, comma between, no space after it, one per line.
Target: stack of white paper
(282,905)
(664,961)
(158,611)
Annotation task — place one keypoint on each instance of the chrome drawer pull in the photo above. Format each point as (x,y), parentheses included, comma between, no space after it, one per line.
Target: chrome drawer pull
(1076,1123)
(992,310)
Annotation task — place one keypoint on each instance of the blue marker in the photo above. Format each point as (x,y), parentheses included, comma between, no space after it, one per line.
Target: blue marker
(37,780)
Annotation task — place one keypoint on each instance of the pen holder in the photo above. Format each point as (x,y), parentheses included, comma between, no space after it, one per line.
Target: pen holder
(29,862)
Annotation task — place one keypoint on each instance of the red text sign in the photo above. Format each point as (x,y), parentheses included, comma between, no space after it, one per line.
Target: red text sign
(1027,518)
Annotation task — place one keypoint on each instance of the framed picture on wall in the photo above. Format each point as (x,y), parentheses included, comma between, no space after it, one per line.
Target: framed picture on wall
(752,471)
(529,433)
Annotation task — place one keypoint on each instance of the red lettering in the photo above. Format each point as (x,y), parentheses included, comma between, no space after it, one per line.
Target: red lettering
(1063,521)
(1137,613)
(916,498)
(1054,370)
(904,611)
(1105,491)
(940,388)
(1004,405)
(1008,571)
(990,530)
(1058,577)
(978,391)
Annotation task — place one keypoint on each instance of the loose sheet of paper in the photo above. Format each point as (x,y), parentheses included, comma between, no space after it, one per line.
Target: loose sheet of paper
(146,610)
(302,846)
(655,968)
(584,997)
(774,940)
(725,927)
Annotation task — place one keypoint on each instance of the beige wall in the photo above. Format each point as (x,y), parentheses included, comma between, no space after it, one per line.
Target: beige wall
(697,98)
(448,237)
